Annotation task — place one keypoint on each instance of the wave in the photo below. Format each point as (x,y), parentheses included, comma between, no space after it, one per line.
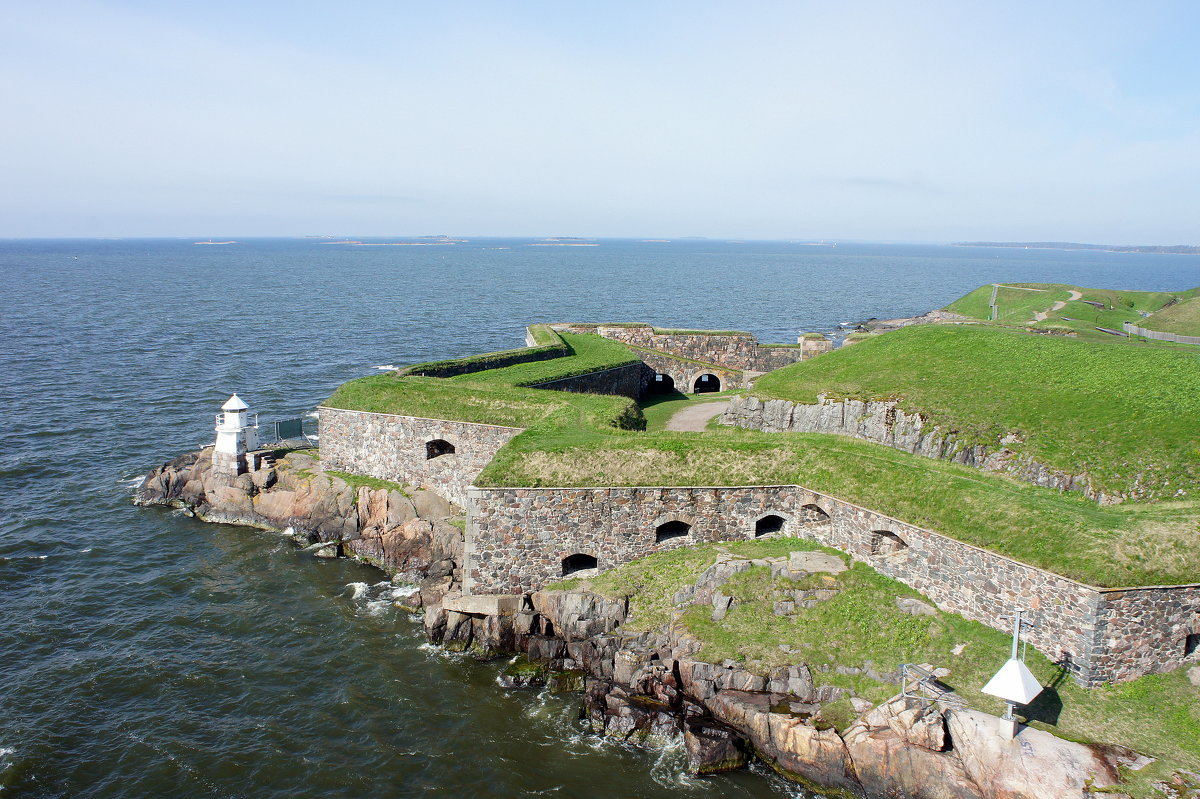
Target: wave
(385,368)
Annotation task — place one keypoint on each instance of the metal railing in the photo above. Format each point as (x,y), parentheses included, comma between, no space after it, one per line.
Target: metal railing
(251,421)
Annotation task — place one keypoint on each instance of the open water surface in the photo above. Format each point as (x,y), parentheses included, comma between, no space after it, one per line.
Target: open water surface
(143,653)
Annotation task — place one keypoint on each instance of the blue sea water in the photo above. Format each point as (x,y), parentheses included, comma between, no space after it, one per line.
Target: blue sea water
(143,653)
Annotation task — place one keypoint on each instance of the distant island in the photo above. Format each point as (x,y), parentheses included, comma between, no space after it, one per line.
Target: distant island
(1172,249)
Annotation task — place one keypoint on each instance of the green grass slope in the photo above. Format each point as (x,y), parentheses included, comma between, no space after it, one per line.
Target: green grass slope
(1182,317)
(1129,417)
(862,626)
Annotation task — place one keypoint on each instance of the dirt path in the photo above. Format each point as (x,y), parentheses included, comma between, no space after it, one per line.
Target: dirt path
(1058,306)
(694,418)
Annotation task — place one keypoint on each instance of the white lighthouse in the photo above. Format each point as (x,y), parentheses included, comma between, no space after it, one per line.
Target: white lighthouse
(237,434)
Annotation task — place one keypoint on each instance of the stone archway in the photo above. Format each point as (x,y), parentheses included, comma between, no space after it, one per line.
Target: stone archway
(706,383)
(672,529)
(577,563)
(770,524)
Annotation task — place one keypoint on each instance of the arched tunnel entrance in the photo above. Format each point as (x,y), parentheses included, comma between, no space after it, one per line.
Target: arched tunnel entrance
(661,384)
(577,563)
(706,383)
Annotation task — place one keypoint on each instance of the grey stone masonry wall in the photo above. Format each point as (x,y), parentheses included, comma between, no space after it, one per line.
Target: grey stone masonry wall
(741,353)
(517,539)
(1145,630)
(768,358)
(626,381)
(685,373)
(392,447)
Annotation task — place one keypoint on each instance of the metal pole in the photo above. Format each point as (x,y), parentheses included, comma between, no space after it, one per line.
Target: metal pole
(1016,632)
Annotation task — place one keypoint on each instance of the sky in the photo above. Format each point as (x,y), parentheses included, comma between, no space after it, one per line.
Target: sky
(884,121)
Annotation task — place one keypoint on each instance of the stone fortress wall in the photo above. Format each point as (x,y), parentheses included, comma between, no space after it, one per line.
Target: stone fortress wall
(518,539)
(735,351)
(441,455)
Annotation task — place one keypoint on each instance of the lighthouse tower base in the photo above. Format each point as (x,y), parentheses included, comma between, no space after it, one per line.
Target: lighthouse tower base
(229,463)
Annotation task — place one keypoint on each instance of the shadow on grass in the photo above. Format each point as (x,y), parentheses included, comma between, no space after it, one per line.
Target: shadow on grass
(1047,706)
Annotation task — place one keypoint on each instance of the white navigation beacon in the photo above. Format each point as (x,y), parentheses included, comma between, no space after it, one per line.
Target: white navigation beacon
(237,434)
(1014,683)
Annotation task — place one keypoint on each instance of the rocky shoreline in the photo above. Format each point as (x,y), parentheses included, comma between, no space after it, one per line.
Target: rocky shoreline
(651,686)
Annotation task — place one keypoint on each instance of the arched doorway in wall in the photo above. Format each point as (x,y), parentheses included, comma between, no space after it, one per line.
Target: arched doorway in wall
(577,563)
(706,383)
(672,529)
(437,448)
(661,384)
(769,524)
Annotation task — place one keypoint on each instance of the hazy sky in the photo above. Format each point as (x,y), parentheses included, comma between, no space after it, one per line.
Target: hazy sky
(871,120)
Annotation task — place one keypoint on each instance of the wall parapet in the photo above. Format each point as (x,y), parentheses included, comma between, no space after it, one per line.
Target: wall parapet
(518,538)
(730,350)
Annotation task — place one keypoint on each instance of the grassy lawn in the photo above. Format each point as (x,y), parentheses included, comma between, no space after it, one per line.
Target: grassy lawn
(861,626)
(588,353)
(1125,415)
(1018,306)
(1017,302)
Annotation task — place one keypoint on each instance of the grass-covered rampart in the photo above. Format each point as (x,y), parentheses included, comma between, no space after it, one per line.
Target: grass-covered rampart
(548,344)
(1181,317)
(1105,545)
(861,628)
(1129,417)
(590,440)
(499,395)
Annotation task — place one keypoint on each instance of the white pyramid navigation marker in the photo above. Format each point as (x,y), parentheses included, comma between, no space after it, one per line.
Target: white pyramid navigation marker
(1014,683)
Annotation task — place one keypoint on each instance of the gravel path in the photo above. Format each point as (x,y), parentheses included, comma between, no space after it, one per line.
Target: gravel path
(1058,306)
(694,418)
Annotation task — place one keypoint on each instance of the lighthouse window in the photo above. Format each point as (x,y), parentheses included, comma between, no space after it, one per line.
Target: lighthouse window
(437,448)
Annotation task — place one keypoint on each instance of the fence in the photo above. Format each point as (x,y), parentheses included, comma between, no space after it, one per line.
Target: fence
(1158,335)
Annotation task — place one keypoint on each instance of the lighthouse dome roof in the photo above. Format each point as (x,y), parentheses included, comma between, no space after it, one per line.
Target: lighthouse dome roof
(234,403)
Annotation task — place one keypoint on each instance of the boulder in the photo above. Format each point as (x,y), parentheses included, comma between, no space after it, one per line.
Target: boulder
(793,744)
(812,561)
(1033,765)
(915,607)
(713,748)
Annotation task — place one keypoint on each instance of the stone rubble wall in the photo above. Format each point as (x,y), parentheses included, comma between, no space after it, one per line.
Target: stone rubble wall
(392,447)
(517,539)
(884,422)
(685,373)
(1145,630)
(741,353)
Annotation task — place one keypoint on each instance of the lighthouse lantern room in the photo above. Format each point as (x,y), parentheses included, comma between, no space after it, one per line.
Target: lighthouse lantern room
(237,434)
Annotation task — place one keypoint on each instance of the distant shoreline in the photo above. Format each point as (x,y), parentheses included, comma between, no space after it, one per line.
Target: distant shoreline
(1163,249)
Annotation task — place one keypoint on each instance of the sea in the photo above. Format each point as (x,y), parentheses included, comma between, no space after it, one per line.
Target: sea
(146,654)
